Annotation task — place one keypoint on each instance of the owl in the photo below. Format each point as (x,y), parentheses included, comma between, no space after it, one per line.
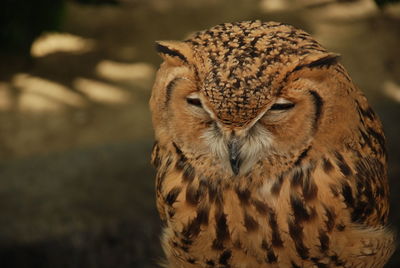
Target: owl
(267,154)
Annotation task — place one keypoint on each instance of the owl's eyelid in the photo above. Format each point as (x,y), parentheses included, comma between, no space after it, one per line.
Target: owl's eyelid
(282,104)
(195,100)
(282,101)
(193,95)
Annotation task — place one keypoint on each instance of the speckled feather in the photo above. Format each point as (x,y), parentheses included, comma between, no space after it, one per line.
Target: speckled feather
(312,189)
(246,63)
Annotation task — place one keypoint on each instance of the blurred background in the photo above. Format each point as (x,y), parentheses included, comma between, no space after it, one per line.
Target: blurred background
(76,186)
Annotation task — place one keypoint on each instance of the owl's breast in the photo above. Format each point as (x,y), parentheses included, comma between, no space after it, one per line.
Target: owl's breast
(210,223)
(299,218)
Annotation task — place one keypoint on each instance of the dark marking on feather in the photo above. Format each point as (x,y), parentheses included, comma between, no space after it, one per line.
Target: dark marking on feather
(310,189)
(172,195)
(343,166)
(276,187)
(271,256)
(347,194)
(368,112)
(297,179)
(222,230)
(210,263)
(260,206)
(181,161)
(366,138)
(302,156)
(244,196)
(323,240)
(214,193)
(330,218)
(169,88)
(191,260)
(318,103)
(360,212)
(326,61)
(341,227)
(300,211)
(188,173)
(276,236)
(171,213)
(250,223)
(335,259)
(378,137)
(203,214)
(327,165)
(296,233)
(192,195)
(294,265)
(192,229)
(224,257)
(156,161)
(170,52)
(334,190)
(319,264)
(237,244)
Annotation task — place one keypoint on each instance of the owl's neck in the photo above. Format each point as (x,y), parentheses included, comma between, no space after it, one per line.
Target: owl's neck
(268,171)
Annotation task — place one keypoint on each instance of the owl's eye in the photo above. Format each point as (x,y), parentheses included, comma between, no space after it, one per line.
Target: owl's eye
(282,105)
(194,101)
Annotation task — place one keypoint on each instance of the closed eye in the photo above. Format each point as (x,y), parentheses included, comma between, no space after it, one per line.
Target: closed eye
(282,106)
(194,101)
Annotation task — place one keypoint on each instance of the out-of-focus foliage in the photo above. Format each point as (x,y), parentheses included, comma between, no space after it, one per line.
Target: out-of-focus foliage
(382,3)
(21,21)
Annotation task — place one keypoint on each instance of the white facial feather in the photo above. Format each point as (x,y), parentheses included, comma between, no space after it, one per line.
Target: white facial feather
(256,143)
(216,143)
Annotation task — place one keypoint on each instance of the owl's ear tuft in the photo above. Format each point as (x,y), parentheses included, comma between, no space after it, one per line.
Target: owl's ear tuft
(174,52)
(318,60)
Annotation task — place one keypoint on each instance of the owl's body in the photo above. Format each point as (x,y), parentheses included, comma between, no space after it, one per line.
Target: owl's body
(267,154)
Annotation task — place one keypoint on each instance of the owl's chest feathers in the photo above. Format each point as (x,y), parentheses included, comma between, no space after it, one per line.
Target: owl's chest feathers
(284,216)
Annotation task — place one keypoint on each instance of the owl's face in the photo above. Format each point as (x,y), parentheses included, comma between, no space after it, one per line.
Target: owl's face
(236,106)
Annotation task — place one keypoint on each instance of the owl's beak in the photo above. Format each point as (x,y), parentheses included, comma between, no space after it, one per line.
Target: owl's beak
(234,157)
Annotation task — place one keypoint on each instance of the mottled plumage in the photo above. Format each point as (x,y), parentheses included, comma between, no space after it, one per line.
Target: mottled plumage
(267,154)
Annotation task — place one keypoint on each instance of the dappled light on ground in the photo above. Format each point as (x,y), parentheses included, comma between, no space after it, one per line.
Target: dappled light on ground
(392,90)
(131,73)
(61,42)
(102,92)
(41,95)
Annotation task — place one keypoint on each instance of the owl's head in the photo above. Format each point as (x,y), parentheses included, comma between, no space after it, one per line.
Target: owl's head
(241,93)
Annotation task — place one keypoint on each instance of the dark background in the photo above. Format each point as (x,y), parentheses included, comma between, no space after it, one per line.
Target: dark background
(76,186)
